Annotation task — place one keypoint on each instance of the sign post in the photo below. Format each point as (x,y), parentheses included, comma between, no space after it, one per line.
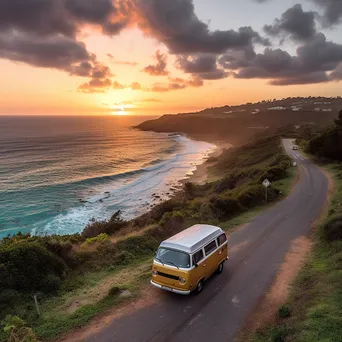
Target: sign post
(266,183)
(37,305)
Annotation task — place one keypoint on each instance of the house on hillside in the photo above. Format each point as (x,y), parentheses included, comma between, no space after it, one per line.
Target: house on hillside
(277,108)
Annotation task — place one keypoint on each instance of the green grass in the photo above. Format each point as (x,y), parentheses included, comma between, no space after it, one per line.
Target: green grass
(93,293)
(316,295)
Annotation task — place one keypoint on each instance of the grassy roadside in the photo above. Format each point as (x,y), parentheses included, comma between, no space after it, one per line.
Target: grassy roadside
(285,185)
(313,311)
(112,270)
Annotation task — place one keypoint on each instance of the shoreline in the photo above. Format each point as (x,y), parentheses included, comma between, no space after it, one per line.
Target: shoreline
(196,172)
(201,174)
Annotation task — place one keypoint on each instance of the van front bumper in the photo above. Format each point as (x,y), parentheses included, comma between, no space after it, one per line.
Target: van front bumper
(166,288)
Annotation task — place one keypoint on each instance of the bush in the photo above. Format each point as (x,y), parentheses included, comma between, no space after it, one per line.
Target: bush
(251,196)
(332,230)
(284,311)
(50,284)
(27,267)
(171,221)
(17,330)
(102,238)
(327,144)
(273,174)
(114,291)
(113,225)
(225,207)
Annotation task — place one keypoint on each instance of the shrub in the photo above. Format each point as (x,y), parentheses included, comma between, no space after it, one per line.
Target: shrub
(26,267)
(114,291)
(113,225)
(50,284)
(332,230)
(171,221)
(273,174)
(17,330)
(102,238)
(284,311)
(327,144)
(225,207)
(251,196)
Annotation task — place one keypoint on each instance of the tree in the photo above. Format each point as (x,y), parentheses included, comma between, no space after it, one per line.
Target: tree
(338,121)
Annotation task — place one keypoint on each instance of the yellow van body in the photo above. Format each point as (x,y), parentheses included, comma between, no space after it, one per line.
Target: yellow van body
(184,261)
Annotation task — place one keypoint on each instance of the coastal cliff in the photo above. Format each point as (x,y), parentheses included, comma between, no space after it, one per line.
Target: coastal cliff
(238,124)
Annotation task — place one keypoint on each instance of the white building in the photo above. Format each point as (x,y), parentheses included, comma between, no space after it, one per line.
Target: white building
(277,108)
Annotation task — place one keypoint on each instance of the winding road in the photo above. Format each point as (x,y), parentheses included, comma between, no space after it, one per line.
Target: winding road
(257,251)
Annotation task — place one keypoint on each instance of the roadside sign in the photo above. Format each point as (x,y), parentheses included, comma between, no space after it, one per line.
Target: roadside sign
(266,183)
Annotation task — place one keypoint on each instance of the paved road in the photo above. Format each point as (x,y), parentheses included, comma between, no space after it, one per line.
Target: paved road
(258,250)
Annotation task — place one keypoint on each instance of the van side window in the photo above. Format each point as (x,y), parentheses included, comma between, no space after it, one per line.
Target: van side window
(197,257)
(222,239)
(210,247)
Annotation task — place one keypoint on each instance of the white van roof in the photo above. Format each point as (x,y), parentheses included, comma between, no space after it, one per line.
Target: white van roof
(193,238)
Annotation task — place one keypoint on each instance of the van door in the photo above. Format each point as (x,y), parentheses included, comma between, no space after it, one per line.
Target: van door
(223,248)
(211,257)
(200,271)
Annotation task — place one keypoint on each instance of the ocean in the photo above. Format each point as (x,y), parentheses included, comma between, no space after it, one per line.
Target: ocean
(58,173)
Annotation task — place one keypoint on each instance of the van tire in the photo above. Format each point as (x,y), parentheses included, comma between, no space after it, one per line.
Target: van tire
(220,268)
(199,286)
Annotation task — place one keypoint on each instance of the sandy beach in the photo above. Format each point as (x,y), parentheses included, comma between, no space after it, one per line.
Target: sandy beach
(200,175)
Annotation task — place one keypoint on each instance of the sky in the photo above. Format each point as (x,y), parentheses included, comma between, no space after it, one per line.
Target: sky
(150,57)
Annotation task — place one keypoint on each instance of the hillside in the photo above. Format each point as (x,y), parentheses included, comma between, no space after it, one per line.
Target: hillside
(238,124)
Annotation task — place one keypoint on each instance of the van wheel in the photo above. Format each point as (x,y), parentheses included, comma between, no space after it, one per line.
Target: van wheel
(199,286)
(220,268)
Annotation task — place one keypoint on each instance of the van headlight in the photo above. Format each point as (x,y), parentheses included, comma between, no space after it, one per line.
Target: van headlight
(182,280)
(154,272)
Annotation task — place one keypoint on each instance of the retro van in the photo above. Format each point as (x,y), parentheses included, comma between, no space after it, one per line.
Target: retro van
(184,261)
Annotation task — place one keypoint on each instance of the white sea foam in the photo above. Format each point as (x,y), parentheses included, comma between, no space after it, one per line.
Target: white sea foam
(133,194)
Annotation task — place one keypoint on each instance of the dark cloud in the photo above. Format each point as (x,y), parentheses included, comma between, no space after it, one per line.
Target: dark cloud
(41,17)
(311,78)
(178,27)
(43,33)
(203,66)
(336,75)
(158,69)
(332,11)
(59,52)
(312,64)
(89,10)
(294,22)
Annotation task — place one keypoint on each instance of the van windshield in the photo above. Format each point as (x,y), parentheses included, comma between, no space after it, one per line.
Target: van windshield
(173,258)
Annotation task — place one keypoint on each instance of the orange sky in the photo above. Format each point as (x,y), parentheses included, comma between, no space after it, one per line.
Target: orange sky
(27,89)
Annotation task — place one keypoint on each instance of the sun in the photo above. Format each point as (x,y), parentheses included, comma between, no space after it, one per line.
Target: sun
(121,109)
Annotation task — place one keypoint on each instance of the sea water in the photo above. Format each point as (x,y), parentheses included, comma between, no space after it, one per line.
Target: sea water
(58,173)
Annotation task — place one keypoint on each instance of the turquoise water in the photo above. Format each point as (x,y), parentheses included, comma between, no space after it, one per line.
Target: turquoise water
(57,173)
